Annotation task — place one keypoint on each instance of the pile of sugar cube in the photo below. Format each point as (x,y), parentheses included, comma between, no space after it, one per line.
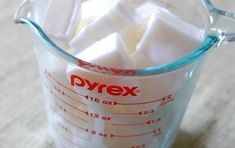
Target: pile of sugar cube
(122,34)
(119,33)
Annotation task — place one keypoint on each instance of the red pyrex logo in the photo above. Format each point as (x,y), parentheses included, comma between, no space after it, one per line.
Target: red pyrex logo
(113,90)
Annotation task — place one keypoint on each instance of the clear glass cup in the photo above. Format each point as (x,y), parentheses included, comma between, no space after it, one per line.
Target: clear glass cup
(94,106)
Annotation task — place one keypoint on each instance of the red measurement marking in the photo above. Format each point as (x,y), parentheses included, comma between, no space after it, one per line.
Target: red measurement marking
(125,113)
(167,99)
(141,103)
(85,112)
(66,129)
(96,133)
(135,135)
(57,107)
(48,75)
(92,99)
(64,94)
(63,127)
(100,101)
(67,120)
(75,99)
(145,112)
(158,132)
(54,110)
(58,90)
(153,121)
(149,122)
(93,115)
(97,116)
(132,124)
(67,139)
(139,146)
(70,122)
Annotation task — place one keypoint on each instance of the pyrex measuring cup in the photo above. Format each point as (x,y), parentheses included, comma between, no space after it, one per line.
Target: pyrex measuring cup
(94,106)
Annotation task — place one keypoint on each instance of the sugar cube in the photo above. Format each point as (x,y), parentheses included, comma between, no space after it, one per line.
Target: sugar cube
(115,19)
(110,52)
(61,18)
(164,41)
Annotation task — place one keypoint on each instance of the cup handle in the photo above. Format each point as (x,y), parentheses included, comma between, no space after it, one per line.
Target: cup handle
(221,23)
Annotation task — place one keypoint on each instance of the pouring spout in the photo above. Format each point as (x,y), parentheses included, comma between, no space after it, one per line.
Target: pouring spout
(25,15)
(24,11)
(221,22)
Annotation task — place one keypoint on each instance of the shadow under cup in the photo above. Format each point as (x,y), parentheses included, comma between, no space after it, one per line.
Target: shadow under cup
(94,106)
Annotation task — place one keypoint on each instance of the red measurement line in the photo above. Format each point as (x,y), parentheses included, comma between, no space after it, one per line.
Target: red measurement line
(68,131)
(73,116)
(48,75)
(72,123)
(67,139)
(126,113)
(75,100)
(61,84)
(136,135)
(68,103)
(133,124)
(141,103)
(77,117)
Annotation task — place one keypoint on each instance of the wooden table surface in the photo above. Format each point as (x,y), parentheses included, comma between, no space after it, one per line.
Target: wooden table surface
(209,121)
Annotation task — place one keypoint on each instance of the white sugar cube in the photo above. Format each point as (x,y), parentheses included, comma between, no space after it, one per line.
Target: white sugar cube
(39,11)
(62,18)
(167,38)
(148,8)
(110,52)
(118,17)
(92,8)
(131,35)
(140,61)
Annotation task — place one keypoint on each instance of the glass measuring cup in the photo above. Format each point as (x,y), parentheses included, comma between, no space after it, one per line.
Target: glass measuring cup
(85,111)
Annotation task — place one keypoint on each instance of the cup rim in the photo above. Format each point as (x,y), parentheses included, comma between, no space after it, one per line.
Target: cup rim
(209,42)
